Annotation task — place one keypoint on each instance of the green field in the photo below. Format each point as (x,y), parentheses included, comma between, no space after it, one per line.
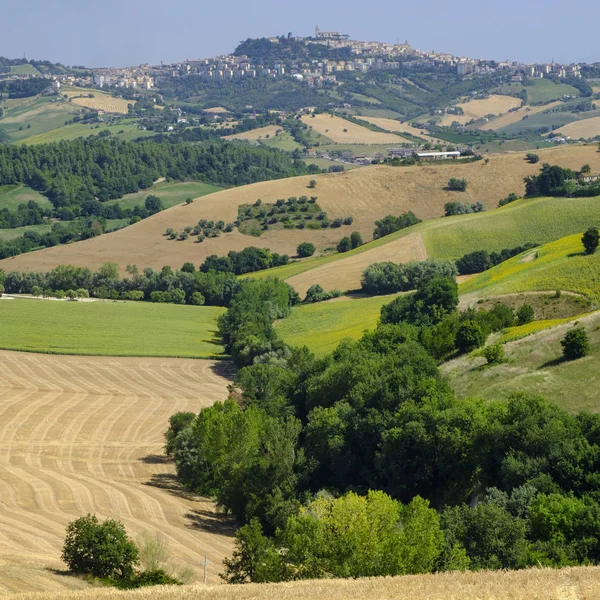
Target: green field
(284,141)
(544,90)
(558,265)
(551,119)
(13,195)
(322,326)
(534,364)
(25,69)
(537,220)
(170,193)
(36,116)
(123,131)
(109,328)
(9,234)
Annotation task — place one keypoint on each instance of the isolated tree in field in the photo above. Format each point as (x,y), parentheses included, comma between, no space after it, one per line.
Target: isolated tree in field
(525,314)
(532,158)
(458,185)
(590,240)
(585,169)
(575,344)
(344,245)
(494,354)
(153,204)
(356,239)
(305,249)
(312,184)
(99,549)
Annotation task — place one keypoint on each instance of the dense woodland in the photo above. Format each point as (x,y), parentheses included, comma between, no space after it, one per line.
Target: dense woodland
(298,449)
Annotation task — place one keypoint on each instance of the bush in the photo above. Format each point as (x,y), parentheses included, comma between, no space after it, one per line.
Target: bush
(316,293)
(494,354)
(348,220)
(458,185)
(197,299)
(525,314)
(356,239)
(532,158)
(469,337)
(305,249)
(590,240)
(312,184)
(344,245)
(99,549)
(575,344)
(82,293)
(510,198)
(391,224)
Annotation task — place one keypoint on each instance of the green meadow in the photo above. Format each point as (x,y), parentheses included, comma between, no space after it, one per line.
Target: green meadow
(123,131)
(544,90)
(322,326)
(13,195)
(110,328)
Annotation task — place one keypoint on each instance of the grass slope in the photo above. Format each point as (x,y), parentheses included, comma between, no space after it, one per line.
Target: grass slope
(561,264)
(123,131)
(322,326)
(109,328)
(544,90)
(13,195)
(530,584)
(533,364)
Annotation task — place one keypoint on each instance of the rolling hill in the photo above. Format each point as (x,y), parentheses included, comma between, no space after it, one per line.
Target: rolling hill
(365,194)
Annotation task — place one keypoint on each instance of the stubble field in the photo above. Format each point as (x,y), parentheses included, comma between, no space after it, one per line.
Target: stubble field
(85,435)
(341,131)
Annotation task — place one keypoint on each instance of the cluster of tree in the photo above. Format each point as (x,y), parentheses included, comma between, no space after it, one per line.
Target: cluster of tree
(512,482)
(204,229)
(389,277)
(482,260)
(457,185)
(557,181)
(316,293)
(461,208)
(512,197)
(532,158)
(390,224)
(105,551)
(186,286)
(247,260)
(347,243)
(26,214)
(24,88)
(71,173)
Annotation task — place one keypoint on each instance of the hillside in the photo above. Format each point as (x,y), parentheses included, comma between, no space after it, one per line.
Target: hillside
(533,364)
(365,194)
(531,584)
(83,435)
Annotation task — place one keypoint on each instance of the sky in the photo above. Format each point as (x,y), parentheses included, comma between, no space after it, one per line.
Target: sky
(130,32)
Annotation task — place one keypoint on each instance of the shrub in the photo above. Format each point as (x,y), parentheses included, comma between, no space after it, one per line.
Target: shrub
(197,299)
(312,184)
(575,344)
(316,293)
(458,185)
(525,314)
(184,235)
(469,337)
(494,354)
(532,158)
(344,245)
(390,224)
(356,239)
(336,223)
(510,198)
(348,220)
(99,549)
(590,240)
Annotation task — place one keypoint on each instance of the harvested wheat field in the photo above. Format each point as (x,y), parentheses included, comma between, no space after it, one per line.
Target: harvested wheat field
(392,125)
(586,128)
(333,128)
(255,134)
(575,583)
(476,109)
(366,194)
(85,435)
(100,101)
(510,118)
(216,110)
(345,274)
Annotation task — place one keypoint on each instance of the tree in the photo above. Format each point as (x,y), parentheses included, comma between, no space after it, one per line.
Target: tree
(109,271)
(575,344)
(344,245)
(494,354)
(525,314)
(356,239)
(469,336)
(188,267)
(532,158)
(305,249)
(585,169)
(99,549)
(457,185)
(590,240)
(312,184)
(153,204)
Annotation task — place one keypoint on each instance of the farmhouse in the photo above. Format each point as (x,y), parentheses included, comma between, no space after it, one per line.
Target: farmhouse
(438,155)
(400,152)
(582,178)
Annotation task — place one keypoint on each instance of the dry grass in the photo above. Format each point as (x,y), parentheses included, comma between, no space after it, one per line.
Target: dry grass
(576,583)
(367,194)
(586,128)
(216,110)
(333,128)
(476,109)
(392,125)
(81,435)
(255,134)
(346,274)
(100,101)
(518,115)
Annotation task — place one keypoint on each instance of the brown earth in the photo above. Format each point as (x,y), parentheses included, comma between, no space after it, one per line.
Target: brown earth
(85,435)
(366,194)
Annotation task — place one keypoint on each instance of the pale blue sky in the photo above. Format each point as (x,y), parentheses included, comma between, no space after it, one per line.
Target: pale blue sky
(122,32)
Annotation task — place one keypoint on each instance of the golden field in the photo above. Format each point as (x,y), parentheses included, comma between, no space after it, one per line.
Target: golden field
(85,435)
(476,109)
(575,583)
(586,128)
(341,131)
(392,125)
(367,194)
(255,134)
(100,101)
(518,115)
